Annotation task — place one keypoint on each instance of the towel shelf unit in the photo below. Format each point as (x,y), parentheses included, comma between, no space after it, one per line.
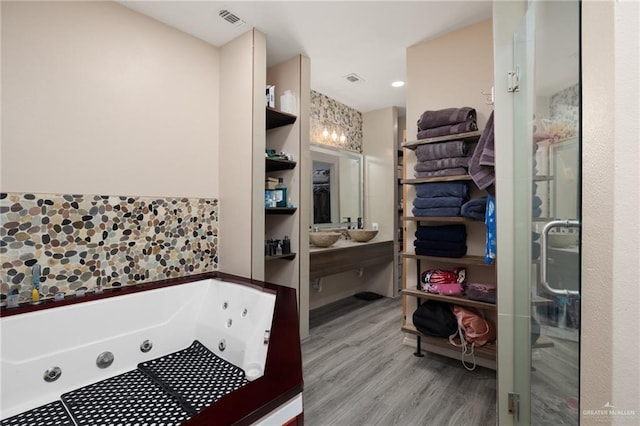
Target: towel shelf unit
(277,118)
(277,164)
(412,297)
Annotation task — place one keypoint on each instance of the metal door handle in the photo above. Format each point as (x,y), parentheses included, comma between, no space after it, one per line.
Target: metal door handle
(568,223)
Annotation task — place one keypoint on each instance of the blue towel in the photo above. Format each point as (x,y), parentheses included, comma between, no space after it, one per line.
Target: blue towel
(430,203)
(455,233)
(475,208)
(490,224)
(536,202)
(441,253)
(437,212)
(442,189)
(439,245)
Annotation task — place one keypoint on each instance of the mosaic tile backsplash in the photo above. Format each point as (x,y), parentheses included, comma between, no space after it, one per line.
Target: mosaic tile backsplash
(84,241)
(327,113)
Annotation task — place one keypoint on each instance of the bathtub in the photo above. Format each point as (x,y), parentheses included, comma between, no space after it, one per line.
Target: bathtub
(233,318)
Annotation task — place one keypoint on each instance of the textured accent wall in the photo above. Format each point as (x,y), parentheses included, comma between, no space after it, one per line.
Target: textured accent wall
(327,113)
(88,240)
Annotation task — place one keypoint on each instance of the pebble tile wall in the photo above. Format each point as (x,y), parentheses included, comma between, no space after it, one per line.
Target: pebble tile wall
(329,113)
(84,241)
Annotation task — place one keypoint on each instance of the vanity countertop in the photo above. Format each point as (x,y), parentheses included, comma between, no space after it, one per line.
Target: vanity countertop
(341,244)
(346,255)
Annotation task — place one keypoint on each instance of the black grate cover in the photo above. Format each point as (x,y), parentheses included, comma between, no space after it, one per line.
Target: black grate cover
(48,414)
(128,399)
(195,375)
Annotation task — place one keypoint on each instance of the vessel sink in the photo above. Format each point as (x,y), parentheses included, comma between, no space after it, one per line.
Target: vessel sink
(362,235)
(324,239)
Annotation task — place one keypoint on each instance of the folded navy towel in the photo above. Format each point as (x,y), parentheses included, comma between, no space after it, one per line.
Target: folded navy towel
(453,129)
(535,250)
(442,189)
(437,151)
(441,253)
(457,171)
(454,233)
(440,245)
(437,212)
(434,202)
(442,163)
(445,117)
(475,208)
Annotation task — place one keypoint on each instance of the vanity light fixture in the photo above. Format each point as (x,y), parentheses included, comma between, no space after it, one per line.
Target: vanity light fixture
(325,133)
(398,83)
(343,138)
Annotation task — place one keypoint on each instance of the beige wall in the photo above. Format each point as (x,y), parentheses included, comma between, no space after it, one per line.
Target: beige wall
(238,167)
(98,99)
(450,71)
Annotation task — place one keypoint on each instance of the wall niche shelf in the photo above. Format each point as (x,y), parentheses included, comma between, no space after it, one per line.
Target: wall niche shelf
(277,118)
(276,164)
(289,256)
(280,210)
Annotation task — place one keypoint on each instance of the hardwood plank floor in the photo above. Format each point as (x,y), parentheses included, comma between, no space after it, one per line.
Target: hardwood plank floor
(358,372)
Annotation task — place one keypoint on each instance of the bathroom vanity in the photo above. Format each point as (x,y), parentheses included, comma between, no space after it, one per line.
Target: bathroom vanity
(349,267)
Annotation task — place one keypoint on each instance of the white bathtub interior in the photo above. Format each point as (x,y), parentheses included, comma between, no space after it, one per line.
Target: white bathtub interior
(231,320)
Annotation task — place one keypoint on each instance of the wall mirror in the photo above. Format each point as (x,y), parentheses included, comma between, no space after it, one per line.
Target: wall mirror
(336,186)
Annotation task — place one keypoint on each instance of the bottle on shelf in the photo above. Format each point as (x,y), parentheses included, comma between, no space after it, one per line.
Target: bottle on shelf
(281,193)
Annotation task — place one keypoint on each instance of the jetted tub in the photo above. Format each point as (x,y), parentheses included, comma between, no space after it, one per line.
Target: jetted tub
(234,318)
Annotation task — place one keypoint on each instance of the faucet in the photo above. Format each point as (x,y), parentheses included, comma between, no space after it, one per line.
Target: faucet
(348,222)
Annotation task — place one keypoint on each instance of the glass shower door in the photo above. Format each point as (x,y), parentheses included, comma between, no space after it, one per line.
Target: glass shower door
(547,214)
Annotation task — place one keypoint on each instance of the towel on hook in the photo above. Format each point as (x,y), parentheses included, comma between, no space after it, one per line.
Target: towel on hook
(437,151)
(445,117)
(442,189)
(467,126)
(481,166)
(443,163)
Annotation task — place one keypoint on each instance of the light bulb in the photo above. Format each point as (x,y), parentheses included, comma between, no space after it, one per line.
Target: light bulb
(334,136)
(343,138)
(325,133)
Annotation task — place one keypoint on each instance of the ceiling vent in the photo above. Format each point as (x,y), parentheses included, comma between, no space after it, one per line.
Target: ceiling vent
(230,18)
(353,78)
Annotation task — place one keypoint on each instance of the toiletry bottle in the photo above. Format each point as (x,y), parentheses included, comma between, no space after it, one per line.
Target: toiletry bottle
(286,245)
(35,293)
(359,223)
(281,193)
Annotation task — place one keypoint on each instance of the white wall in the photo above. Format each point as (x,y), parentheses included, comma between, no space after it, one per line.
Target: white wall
(98,99)
(609,369)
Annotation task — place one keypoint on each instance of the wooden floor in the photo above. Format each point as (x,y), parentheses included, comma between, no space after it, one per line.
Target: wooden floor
(358,372)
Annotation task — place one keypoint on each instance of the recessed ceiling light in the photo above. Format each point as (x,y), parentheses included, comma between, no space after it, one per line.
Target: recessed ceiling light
(397,83)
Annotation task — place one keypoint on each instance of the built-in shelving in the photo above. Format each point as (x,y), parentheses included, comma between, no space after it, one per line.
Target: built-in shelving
(277,118)
(280,210)
(457,300)
(288,256)
(465,260)
(467,136)
(276,164)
